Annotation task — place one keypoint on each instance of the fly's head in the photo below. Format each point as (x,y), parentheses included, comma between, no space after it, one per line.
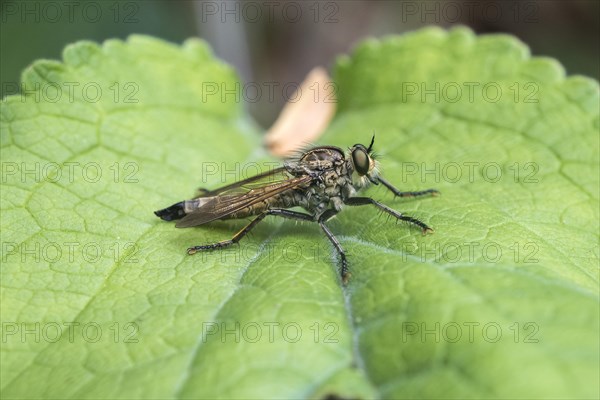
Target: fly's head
(364,165)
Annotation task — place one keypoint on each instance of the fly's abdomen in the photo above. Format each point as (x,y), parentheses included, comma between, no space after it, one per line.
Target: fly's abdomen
(181,209)
(211,204)
(176,211)
(287,199)
(249,211)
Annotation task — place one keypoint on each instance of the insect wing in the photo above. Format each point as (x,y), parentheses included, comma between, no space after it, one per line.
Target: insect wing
(240,196)
(262,179)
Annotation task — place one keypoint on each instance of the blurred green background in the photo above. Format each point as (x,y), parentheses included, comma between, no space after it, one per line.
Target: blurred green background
(280,41)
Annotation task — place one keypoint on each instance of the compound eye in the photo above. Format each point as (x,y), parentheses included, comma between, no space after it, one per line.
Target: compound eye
(361,161)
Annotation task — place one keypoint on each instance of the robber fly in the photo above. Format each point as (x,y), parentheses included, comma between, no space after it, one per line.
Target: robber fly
(321,181)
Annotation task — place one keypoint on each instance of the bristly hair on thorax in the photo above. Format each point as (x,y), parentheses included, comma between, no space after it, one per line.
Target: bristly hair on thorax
(299,151)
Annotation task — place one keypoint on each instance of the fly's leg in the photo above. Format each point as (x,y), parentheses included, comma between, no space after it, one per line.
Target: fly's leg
(398,193)
(244,231)
(236,238)
(324,217)
(361,201)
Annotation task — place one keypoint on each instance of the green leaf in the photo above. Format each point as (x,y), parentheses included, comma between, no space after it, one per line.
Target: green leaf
(501,302)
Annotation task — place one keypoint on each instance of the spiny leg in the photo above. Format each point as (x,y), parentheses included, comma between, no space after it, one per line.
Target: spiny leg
(324,217)
(398,193)
(361,201)
(244,231)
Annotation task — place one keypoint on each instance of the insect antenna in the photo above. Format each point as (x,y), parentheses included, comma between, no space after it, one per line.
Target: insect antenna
(371,145)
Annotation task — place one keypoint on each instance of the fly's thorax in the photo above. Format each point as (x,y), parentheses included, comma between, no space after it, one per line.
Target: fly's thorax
(337,203)
(348,191)
(322,158)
